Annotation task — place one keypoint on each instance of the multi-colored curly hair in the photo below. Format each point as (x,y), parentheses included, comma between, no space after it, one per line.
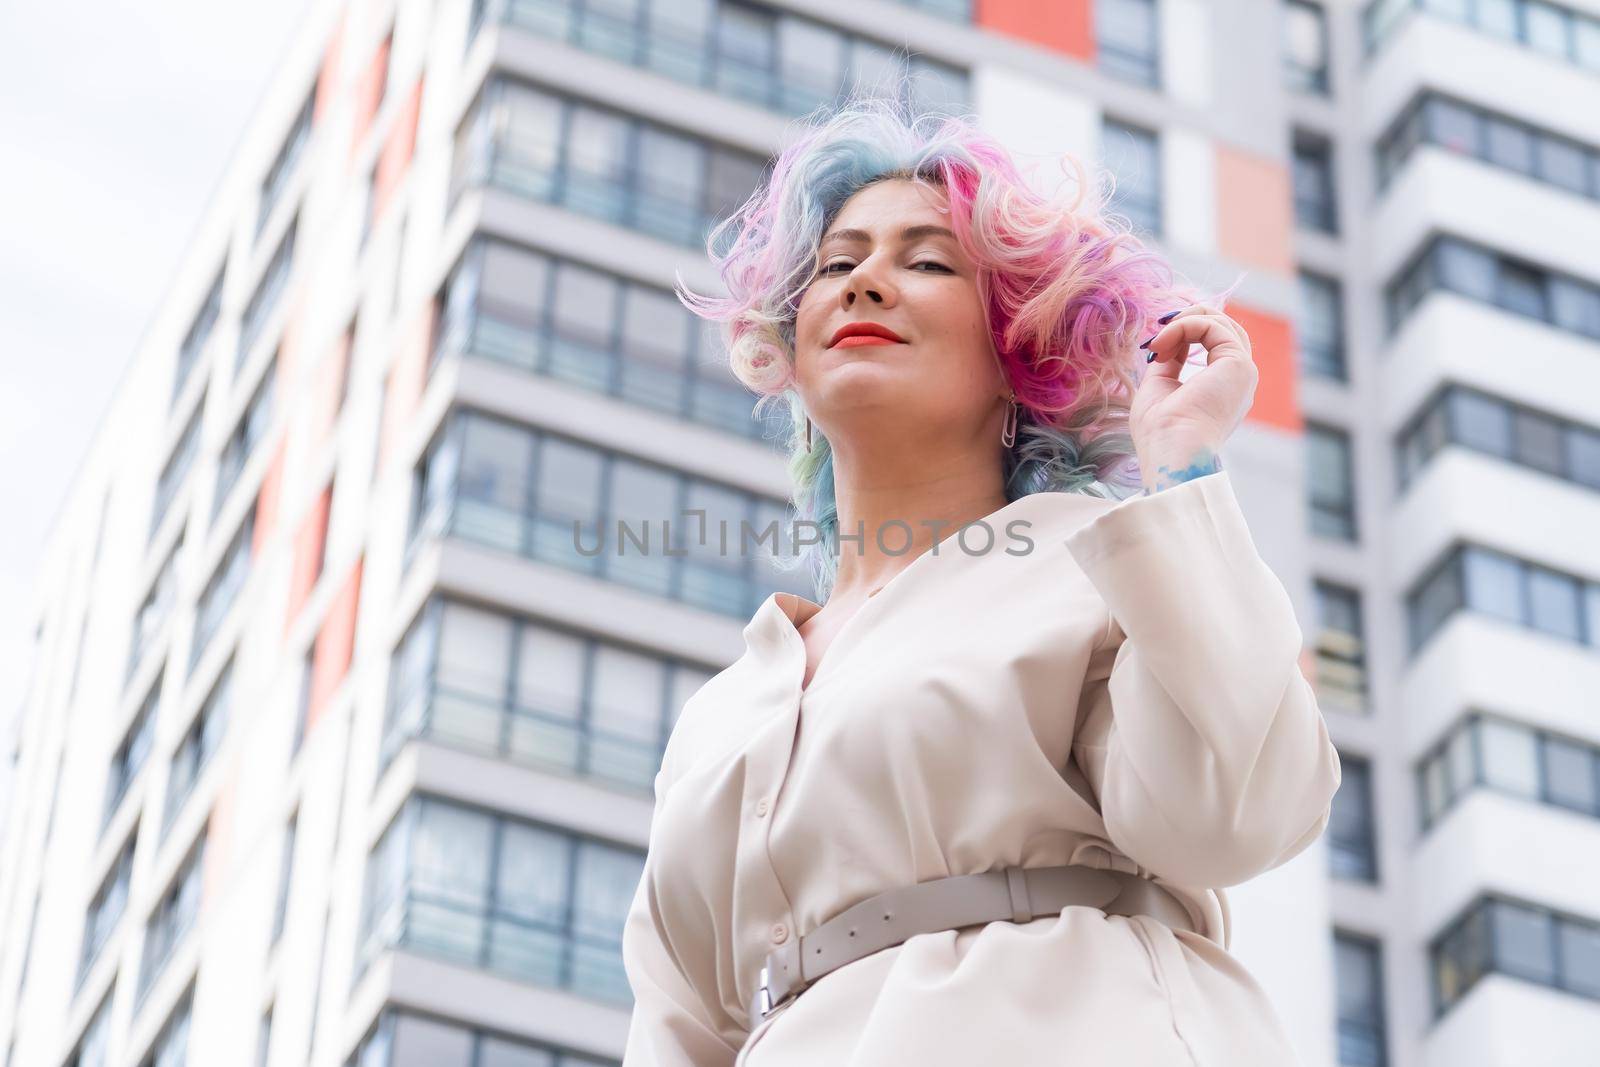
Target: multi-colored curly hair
(1068,289)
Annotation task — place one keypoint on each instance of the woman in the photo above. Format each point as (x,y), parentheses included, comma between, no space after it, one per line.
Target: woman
(1041,745)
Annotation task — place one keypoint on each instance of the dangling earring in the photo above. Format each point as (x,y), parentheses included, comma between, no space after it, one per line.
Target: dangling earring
(1008,434)
(808,433)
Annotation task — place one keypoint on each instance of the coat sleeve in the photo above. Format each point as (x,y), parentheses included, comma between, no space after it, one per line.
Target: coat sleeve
(670,1026)
(1205,745)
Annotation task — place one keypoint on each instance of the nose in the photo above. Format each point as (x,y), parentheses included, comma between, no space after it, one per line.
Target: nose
(867,281)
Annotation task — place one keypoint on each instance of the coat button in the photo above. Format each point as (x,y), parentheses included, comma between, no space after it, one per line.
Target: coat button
(761,806)
(780,933)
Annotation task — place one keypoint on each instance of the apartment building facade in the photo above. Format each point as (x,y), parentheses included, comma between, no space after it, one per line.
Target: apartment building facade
(335,752)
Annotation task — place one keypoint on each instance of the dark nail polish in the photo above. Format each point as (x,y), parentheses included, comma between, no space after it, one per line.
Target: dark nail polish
(1151,358)
(1168,317)
(1147,341)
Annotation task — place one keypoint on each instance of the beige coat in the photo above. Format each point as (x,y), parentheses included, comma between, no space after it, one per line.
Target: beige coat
(1124,693)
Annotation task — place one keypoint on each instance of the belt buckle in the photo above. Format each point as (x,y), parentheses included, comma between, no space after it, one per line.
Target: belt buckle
(764,1004)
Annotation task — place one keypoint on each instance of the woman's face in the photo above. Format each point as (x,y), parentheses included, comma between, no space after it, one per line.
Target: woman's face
(889,259)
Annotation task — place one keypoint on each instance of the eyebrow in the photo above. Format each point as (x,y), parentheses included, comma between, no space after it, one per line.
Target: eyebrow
(910,233)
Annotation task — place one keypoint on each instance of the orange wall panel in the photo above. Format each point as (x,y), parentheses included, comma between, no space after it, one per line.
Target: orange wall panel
(330,384)
(328,77)
(397,150)
(1065,26)
(308,542)
(369,93)
(1255,210)
(219,840)
(1277,401)
(334,647)
(267,500)
(406,380)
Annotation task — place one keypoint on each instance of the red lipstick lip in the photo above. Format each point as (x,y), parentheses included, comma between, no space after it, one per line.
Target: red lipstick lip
(864,329)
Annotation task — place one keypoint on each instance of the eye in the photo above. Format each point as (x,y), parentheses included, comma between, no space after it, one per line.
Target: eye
(827,268)
(931,263)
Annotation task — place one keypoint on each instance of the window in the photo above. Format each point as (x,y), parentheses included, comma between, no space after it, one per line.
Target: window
(1314,205)
(1496,427)
(199,742)
(93,1047)
(603,164)
(264,1039)
(1133,159)
(770,58)
(532,693)
(175,469)
(194,342)
(1518,939)
(156,608)
(1451,264)
(172,917)
(553,499)
(1305,50)
(1358,975)
(1331,482)
(515,897)
(283,166)
(1321,326)
(220,591)
(171,1048)
(130,756)
(265,299)
(1495,584)
(1352,852)
(106,908)
(303,708)
(401,1038)
(1127,40)
(1566,35)
(247,433)
(550,316)
(1486,751)
(285,878)
(1341,648)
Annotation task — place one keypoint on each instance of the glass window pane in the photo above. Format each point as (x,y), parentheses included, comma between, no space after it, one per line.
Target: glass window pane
(1549,29)
(1465,270)
(1539,442)
(494,1052)
(569,482)
(1510,758)
(1499,18)
(1570,771)
(1451,125)
(626,714)
(677,40)
(1563,163)
(420,1042)
(1583,447)
(656,336)
(550,690)
(1523,942)
(1586,48)
(450,856)
(1494,584)
(732,178)
(1574,307)
(810,64)
(532,881)
(597,144)
(1591,611)
(1481,422)
(1522,290)
(1459,757)
(1553,602)
(1580,958)
(584,318)
(669,194)
(745,52)
(1508,145)
(474,652)
(514,283)
(527,125)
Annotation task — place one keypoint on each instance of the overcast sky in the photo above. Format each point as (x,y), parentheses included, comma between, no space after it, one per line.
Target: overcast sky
(117,121)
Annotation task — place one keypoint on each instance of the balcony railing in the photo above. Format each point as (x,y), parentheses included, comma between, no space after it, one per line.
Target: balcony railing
(552,954)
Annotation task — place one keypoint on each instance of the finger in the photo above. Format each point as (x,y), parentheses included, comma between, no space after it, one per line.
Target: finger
(1215,332)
